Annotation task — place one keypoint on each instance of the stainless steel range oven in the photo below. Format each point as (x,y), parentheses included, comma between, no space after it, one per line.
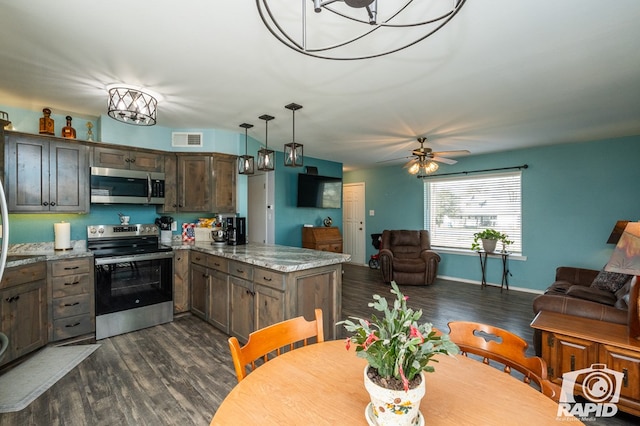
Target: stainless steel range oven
(133,278)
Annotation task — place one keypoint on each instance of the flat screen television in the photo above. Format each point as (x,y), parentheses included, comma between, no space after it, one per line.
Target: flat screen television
(321,192)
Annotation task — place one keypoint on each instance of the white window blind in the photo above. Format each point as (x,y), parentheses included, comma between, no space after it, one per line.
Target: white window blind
(458,207)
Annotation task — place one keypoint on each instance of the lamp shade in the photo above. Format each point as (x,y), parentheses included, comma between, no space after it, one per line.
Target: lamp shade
(626,256)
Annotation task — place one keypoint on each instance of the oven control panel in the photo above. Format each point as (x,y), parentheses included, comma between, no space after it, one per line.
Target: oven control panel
(110,231)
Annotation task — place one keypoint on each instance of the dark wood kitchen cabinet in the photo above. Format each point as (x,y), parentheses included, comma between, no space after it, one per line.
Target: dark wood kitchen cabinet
(45,174)
(120,158)
(181,288)
(224,183)
(210,289)
(23,309)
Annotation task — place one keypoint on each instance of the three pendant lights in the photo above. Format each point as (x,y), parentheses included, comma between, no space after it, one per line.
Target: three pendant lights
(293,151)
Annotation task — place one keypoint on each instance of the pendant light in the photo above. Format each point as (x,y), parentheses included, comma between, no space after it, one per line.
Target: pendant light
(266,155)
(293,150)
(245,162)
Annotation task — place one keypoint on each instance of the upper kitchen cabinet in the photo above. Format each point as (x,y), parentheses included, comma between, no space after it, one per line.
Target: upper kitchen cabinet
(147,161)
(45,174)
(204,183)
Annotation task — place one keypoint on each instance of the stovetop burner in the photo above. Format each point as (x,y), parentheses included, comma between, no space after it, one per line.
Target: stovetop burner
(123,240)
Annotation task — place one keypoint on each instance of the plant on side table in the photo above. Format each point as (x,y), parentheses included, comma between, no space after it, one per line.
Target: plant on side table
(489,238)
(398,351)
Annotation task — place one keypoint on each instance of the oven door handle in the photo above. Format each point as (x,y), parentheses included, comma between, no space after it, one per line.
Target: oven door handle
(133,258)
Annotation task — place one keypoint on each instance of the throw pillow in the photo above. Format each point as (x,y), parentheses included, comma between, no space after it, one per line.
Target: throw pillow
(611,281)
(592,294)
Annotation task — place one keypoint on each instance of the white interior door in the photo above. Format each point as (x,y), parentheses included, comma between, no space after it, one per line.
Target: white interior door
(261,220)
(353,224)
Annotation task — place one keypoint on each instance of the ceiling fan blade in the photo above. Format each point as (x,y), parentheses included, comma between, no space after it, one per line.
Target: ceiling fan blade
(393,159)
(444,160)
(452,153)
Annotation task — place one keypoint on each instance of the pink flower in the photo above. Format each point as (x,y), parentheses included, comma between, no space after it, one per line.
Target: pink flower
(406,298)
(405,382)
(370,339)
(348,343)
(416,333)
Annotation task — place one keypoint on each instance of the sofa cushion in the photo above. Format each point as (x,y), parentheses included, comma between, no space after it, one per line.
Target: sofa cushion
(593,294)
(611,281)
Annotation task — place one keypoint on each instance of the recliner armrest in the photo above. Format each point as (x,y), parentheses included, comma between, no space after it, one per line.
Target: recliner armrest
(426,255)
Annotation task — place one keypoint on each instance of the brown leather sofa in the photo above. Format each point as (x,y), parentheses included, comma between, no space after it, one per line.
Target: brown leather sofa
(406,257)
(572,293)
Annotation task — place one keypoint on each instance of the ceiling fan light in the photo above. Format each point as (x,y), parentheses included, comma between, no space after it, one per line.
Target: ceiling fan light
(414,168)
(430,167)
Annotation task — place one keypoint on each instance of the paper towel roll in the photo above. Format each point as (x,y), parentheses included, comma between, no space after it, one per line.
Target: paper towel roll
(62,233)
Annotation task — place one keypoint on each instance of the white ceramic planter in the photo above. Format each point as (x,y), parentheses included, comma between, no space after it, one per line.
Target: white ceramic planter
(489,245)
(392,407)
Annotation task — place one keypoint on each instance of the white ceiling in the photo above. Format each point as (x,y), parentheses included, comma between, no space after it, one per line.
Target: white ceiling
(503,74)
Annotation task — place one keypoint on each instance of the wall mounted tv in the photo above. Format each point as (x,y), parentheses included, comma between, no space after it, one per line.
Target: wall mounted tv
(321,192)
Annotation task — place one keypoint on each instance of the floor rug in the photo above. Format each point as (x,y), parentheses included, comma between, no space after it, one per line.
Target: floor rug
(21,385)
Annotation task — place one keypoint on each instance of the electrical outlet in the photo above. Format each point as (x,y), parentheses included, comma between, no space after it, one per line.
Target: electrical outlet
(174,226)
(372,212)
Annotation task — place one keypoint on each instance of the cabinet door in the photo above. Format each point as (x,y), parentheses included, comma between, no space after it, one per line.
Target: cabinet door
(219,301)
(111,157)
(181,281)
(68,177)
(146,161)
(27,174)
(241,318)
(565,354)
(199,290)
(170,184)
(24,311)
(194,183)
(224,170)
(626,362)
(269,306)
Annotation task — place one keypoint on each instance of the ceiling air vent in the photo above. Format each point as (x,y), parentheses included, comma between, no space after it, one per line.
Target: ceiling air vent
(186,139)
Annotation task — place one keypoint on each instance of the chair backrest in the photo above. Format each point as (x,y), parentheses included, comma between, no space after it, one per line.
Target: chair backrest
(273,340)
(504,347)
(406,243)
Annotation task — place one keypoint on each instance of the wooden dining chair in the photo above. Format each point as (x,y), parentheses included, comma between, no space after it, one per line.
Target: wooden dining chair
(273,340)
(505,348)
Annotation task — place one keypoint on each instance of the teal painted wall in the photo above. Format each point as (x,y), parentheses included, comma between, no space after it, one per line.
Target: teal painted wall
(572,196)
(27,228)
(289,218)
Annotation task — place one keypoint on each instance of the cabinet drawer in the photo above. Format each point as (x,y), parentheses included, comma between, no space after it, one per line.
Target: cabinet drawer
(70,306)
(199,258)
(23,274)
(332,247)
(269,278)
(69,267)
(70,285)
(241,270)
(218,263)
(72,326)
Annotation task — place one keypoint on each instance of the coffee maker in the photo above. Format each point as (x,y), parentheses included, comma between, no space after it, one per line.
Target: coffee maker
(236,231)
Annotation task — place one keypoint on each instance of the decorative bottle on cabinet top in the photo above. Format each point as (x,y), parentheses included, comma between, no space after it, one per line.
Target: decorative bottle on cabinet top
(46,123)
(68,131)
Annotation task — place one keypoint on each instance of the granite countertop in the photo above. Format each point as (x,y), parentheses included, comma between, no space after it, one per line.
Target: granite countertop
(276,257)
(26,253)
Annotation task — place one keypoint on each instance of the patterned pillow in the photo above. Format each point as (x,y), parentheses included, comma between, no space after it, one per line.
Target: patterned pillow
(611,281)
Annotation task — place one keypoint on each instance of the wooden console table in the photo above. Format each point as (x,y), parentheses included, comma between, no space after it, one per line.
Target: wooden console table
(322,238)
(571,343)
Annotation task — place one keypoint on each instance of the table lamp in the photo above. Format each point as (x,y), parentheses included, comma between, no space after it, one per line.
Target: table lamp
(626,260)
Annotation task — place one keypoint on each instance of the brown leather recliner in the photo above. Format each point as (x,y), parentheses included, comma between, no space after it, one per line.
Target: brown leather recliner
(406,258)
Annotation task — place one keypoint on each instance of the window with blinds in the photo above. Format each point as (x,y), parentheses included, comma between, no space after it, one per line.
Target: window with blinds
(458,207)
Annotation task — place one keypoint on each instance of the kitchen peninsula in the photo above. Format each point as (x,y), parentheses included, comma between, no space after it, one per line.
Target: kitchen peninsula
(242,288)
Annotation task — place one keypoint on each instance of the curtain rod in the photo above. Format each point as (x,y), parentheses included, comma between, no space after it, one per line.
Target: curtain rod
(524,166)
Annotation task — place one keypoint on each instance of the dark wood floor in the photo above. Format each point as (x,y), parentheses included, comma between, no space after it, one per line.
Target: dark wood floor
(179,373)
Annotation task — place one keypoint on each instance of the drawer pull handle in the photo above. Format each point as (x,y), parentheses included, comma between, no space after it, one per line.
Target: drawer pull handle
(12,298)
(72,325)
(573,362)
(216,264)
(70,268)
(72,304)
(73,283)
(240,271)
(625,377)
(267,279)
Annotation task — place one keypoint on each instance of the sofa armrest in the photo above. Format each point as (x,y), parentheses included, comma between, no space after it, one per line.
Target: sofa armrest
(428,255)
(576,276)
(386,264)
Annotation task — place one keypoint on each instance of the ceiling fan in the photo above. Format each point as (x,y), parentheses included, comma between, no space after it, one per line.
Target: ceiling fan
(425,160)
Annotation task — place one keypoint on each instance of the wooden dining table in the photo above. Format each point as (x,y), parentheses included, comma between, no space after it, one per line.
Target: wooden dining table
(323,384)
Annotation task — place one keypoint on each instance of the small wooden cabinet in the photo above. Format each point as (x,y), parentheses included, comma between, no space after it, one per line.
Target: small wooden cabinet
(23,309)
(210,289)
(45,174)
(118,158)
(322,238)
(572,343)
(71,298)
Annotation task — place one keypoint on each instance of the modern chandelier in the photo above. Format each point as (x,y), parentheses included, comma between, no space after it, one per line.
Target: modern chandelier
(354,29)
(132,106)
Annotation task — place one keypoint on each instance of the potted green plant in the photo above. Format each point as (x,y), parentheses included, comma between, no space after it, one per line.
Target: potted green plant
(489,238)
(398,350)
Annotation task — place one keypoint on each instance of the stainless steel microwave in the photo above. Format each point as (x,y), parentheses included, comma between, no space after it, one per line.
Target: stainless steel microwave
(118,186)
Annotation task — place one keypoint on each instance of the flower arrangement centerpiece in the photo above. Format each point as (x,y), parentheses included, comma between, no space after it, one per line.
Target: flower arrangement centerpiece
(398,350)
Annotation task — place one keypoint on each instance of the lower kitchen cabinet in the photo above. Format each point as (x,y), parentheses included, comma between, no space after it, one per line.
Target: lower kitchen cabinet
(181,290)
(199,290)
(241,318)
(210,289)
(23,309)
(219,300)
